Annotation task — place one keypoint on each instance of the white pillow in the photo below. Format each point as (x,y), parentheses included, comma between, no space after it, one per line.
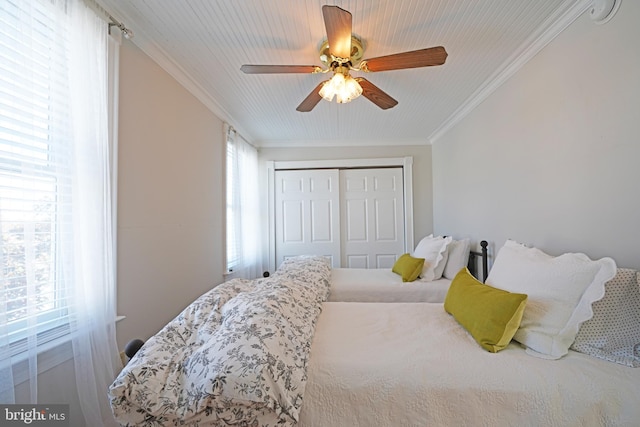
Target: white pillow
(439,270)
(561,290)
(613,333)
(458,258)
(432,249)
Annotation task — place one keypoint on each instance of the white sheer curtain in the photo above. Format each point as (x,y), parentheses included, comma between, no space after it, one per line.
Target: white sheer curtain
(243,208)
(56,197)
(90,255)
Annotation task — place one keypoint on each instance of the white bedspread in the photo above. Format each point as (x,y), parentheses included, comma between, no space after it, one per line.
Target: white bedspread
(383,285)
(413,365)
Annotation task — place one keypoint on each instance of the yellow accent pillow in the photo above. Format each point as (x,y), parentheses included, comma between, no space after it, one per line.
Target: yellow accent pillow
(408,267)
(492,316)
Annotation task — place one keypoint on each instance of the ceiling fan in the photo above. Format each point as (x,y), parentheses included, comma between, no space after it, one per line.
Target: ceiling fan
(339,53)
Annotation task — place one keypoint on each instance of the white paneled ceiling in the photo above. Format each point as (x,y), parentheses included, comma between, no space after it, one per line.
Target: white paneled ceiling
(203,43)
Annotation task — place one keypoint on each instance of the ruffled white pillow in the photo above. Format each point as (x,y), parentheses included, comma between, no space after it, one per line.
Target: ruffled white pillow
(458,258)
(433,250)
(561,290)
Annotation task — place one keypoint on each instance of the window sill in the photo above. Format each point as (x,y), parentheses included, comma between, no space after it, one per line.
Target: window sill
(49,356)
(229,275)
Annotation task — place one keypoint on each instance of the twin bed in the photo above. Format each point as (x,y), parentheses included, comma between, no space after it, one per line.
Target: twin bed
(284,350)
(383,285)
(407,364)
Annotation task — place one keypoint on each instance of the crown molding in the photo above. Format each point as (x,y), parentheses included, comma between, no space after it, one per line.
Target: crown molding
(276,143)
(549,30)
(164,60)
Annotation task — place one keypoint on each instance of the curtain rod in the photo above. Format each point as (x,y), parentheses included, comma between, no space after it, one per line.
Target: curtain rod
(126,32)
(231,129)
(93,4)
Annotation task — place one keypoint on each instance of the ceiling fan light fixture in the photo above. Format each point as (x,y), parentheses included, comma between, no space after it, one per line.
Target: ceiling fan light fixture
(350,91)
(344,88)
(332,87)
(325,92)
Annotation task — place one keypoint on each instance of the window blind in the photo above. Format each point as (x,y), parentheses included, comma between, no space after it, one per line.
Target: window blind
(243,211)
(233,203)
(35,175)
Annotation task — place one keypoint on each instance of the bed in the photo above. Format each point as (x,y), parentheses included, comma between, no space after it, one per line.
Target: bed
(274,351)
(385,285)
(442,377)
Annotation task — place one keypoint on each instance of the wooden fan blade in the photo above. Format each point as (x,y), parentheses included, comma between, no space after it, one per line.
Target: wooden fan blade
(275,69)
(311,100)
(338,23)
(376,95)
(413,59)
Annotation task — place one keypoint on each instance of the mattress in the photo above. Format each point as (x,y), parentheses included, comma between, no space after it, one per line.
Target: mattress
(383,285)
(412,364)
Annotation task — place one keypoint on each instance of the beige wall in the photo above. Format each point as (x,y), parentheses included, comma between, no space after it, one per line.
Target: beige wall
(551,158)
(422,185)
(170,197)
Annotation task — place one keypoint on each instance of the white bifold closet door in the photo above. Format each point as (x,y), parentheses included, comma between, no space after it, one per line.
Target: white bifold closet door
(371,217)
(355,217)
(307,214)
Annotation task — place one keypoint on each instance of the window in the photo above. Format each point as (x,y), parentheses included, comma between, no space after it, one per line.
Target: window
(35,178)
(243,212)
(56,220)
(233,204)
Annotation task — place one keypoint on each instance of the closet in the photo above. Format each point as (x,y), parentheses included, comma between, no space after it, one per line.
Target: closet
(353,212)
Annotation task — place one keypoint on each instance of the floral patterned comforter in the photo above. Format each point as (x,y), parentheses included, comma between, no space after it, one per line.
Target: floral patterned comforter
(236,356)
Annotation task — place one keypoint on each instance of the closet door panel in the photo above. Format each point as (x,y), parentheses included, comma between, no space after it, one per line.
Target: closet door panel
(356,229)
(386,220)
(292,221)
(322,221)
(307,214)
(372,217)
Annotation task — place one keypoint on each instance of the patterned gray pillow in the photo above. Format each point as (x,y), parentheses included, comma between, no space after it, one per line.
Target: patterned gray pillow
(613,333)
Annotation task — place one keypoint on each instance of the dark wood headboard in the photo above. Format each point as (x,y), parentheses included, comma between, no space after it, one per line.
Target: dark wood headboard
(473,263)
